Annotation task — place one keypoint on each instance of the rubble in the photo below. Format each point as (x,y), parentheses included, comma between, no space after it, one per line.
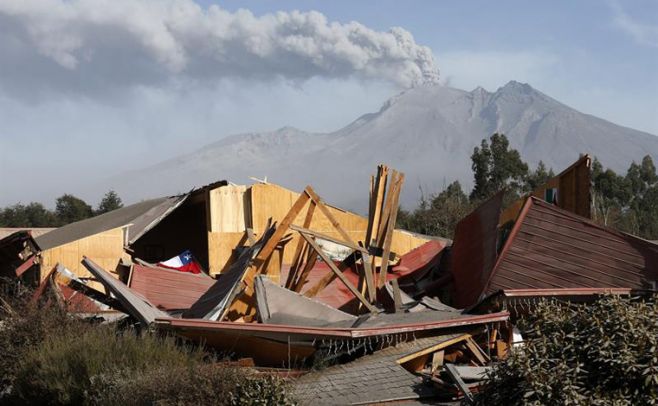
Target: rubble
(291,283)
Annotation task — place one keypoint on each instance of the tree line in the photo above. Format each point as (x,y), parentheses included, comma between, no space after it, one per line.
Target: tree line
(68,209)
(627,202)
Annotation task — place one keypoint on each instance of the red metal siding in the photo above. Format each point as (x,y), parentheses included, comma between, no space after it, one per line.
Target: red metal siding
(473,253)
(167,289)
(553,248)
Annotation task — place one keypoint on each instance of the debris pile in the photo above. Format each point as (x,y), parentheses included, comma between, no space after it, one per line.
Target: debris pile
(357,310)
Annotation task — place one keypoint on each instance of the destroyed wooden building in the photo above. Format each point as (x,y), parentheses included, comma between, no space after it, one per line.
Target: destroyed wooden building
(290,281)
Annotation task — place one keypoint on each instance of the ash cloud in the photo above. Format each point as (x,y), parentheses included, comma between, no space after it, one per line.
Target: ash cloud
(98,47)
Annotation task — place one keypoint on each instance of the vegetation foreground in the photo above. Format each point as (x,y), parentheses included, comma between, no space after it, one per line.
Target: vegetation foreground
(49,357)
(605,353)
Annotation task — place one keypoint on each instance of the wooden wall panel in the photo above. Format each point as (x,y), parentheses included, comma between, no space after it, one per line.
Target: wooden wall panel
(221,249)
(227,210)
(106,249)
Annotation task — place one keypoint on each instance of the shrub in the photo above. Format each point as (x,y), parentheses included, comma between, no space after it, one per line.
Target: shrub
(597,354)
(200,384)
(23,326)
(61,368)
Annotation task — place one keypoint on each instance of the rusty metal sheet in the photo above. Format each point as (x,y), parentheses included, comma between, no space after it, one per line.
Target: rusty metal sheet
(473,253)
(551,248)
(167,289)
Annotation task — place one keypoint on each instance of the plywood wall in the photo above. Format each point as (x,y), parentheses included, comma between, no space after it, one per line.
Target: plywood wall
(105,249)
(227,209)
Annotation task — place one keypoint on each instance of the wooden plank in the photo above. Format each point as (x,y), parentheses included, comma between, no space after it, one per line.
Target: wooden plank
(454,375)
(280,232)
(339,274)
(502,349)
(477,351)
(299,261)
(369,277)
(312,257)
(436,347)
(296,263)
(309,190)
(377,197)
(437,361)
(397,297)
(393,214)
(328,278)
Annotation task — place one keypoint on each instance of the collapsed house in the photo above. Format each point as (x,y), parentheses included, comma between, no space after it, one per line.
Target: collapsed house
(288,281)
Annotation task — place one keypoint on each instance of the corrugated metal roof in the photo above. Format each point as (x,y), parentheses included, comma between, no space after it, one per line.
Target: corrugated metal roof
(141,215)
(167,289)
(473,253)
(553,248)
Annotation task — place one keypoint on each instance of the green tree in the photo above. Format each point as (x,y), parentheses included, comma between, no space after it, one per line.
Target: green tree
(439,214)
(611,193)
(69,209)
(30,215)
(538,177)
(641,215)
(497,167)
(111,201)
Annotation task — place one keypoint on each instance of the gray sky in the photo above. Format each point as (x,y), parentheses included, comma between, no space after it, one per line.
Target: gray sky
(92,88)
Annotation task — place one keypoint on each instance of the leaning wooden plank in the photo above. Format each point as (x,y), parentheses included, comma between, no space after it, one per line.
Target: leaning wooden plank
(311,258)
(296,265)
(339,274)
(482,358)
(68,278)
(454,375)
(437,361)
(397,297)
(138,307)
(369,277)
(434,348)
(280,232)
(296,259)
(386,210)
(393,214)
(378,201)
(309,190)
(348,262)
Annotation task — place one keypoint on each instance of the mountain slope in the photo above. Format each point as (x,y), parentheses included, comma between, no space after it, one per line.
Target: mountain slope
(428,132)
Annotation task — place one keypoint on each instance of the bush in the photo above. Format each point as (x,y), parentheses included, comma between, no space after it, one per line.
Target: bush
(49,357)
(598,354)
(62,367)
(205,384)
(22,327)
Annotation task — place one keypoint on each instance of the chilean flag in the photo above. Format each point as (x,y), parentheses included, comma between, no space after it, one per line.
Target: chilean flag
(184,262)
